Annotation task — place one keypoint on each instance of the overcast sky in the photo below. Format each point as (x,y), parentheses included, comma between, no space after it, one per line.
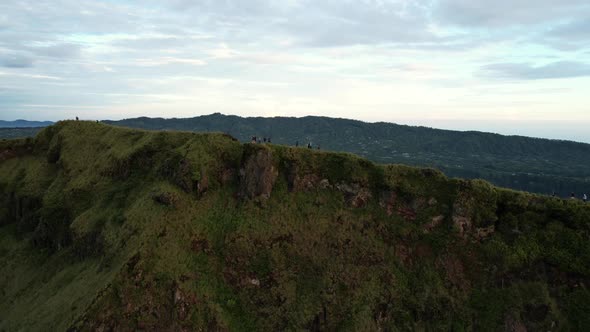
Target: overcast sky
(507,66)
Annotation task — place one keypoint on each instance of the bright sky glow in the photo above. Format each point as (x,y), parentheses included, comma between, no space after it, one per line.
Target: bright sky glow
(508,66)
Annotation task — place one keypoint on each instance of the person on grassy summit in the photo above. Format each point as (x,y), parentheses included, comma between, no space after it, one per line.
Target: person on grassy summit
(296,144)
(573,196)
(264,139)
(76,118)
(585,198)
(309,145)
(269,140)
(253,139)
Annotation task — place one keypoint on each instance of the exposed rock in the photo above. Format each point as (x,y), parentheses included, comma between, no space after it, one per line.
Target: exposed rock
(183,303)
(306,182)
(361,198)
(387,201)
(407,213)
(462,224)
(484,232)
(299,181)
(355,195)
(258,175)
(433,223)
(324,184)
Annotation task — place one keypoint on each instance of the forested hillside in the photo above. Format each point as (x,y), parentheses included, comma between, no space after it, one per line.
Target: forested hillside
(24,124)
(530,164)
(105,228)
(10,133)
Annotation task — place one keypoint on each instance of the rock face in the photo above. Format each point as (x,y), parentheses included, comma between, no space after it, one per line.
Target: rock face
(305,182)
(258,175)
(355,195)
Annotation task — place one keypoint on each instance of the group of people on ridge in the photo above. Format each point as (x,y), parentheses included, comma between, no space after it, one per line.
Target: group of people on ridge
(573,196)
(256,140)
(584,197)
(309,145)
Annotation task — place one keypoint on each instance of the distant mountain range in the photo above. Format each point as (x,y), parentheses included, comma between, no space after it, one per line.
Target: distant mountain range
(24,124)
(522,163)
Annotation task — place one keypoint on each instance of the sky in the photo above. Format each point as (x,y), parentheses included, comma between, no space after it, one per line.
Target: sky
(518,67)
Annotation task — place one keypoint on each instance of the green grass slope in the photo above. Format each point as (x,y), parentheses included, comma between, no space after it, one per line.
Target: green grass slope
(112,229)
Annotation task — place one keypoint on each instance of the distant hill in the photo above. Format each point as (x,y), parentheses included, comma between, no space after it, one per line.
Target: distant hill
(24,124)
(522,163)
(105,228)
(10,133)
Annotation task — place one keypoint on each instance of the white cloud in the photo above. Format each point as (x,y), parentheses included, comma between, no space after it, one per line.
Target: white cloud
(395,60)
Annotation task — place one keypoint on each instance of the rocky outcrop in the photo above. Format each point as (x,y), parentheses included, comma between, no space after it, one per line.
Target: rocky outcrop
(258,175)
(306,182)
(298,180)
(463,225)
(356,195)
(435,222)
(387,201)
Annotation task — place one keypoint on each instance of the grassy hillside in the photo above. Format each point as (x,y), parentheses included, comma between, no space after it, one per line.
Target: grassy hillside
(106,228)
(521,163)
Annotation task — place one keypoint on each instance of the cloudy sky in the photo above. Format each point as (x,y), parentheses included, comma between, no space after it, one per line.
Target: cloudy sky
(507,66)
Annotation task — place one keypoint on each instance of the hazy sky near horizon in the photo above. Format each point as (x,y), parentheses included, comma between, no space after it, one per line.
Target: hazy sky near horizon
(508,66)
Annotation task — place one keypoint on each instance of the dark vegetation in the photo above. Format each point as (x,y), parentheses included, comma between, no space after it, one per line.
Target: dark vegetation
(11,133)
(114,229)
(24,124)
(521,163)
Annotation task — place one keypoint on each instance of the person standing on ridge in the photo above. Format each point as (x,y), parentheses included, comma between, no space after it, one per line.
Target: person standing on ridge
(309,145)
(585,198)
(573,196)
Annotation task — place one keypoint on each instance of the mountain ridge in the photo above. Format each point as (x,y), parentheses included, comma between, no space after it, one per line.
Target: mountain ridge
(518,162)
(109,228)
(20,123)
